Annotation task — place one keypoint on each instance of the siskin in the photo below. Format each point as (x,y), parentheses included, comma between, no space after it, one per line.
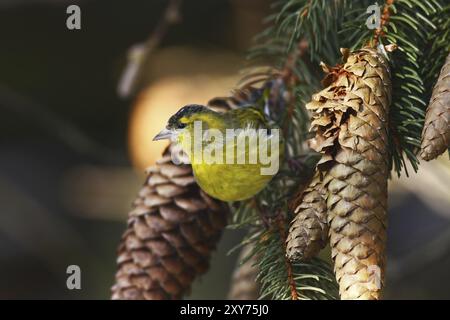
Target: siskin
(234,155)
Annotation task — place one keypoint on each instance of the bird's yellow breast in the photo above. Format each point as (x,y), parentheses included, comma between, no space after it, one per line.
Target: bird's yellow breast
(234,181)
(230,182)
(243,176)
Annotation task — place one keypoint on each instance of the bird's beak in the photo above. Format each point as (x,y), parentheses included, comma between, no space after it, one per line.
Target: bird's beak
(164,134)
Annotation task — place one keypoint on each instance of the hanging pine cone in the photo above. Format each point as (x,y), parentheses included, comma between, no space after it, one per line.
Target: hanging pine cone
(308,233)
(350,121)
(171,233)
(244,285)
(436,130)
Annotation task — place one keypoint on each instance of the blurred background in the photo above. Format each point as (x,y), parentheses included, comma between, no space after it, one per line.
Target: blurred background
(76,130)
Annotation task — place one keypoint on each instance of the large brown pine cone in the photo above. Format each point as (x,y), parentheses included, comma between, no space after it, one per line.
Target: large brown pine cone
(308,233)
(436,130)
(350,121)
(171,233)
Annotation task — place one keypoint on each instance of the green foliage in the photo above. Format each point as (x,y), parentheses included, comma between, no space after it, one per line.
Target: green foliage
(437,49)
(410,26)
(314,21)
(419,28)
(313,279)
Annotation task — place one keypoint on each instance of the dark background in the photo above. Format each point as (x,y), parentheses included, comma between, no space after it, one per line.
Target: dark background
(67,173)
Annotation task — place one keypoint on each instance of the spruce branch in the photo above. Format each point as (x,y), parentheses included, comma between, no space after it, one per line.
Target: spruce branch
(437,48)
(406,24)
(284,280)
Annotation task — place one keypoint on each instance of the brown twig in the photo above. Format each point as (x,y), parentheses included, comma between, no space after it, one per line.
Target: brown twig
(171,16)
(139,53)
(287,73)
(384,21)
(305,12)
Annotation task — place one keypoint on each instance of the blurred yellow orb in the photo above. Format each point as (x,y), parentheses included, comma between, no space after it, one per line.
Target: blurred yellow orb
(163,97)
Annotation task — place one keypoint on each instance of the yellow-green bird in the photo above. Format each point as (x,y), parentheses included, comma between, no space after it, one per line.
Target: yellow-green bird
(233,155)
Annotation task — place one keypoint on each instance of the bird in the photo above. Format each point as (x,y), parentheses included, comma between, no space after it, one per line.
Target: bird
(240,150)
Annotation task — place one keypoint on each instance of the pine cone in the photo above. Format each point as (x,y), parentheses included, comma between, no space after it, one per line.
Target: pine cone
(436,131)
(244,285)
(171,233)
(308,233)
(350,121)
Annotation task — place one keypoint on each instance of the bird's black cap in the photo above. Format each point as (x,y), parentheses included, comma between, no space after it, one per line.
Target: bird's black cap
(183,112)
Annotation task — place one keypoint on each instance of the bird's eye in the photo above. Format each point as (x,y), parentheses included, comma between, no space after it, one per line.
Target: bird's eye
(181,125)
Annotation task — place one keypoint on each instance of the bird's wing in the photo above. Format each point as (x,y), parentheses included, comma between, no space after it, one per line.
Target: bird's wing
(249,140)
(248,116)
